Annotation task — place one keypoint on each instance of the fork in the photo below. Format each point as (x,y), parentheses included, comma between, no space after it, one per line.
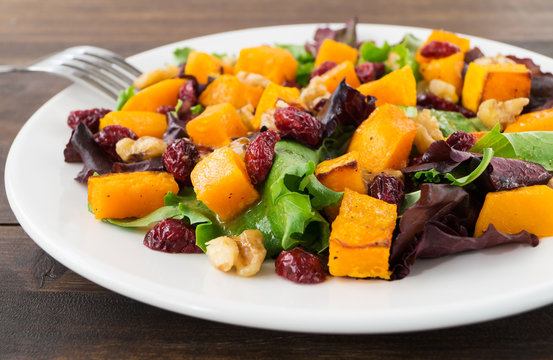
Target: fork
(97,68)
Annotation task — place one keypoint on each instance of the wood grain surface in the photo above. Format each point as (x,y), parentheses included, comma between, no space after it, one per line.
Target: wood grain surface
(48,311)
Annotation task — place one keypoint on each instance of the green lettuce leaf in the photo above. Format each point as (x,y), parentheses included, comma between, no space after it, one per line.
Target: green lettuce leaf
(124,96)
(532,146)
(449,121)
(405,57)
(196,109)
(370,52)
(305,61)
(181,54)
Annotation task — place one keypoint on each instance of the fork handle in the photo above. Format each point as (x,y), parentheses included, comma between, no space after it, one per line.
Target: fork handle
(10,68)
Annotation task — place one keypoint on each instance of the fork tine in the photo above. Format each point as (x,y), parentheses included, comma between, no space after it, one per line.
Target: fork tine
(107,55)
(103,66)
(98,75)
(78,75)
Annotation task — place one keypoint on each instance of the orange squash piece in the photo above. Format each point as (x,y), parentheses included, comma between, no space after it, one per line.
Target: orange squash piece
(268,99)
(384,140)
(527,208)
(345,70)
(341,173)
(534,121)
(165,92)
(276,64)
(361,237)
(398,87)
(216,126)
(222,183)
(228,89)
(202,66)
(123,195)
(440,35)
(495,81)
(143,123)
(338,52)
(448,69)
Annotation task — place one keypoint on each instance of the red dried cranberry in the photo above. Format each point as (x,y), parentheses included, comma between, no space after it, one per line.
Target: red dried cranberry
(291,83)
(461,141)
(319,105)
(164,109)
(108,137)
(369,71)
(90,117)
(415,160)
(260,154)
(387,188)
(172,236)
(439,49)
(321,69)
(299,125)
(300,266)
(187,93)
(431,101)
(179,159)
(473,54)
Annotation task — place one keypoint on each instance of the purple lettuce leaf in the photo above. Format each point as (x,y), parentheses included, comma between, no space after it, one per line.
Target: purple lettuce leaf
(71,155)
(346,106)
(153,164)
(508,174)
(176,128)
(95,159)
(441,223)
(541,89)
(441,157)
(347,35)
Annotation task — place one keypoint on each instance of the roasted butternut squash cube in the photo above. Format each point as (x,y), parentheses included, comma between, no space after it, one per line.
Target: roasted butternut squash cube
(440,35)
(123,195)
(361,237)
(384,140)
(495,81)
(165,92)
(270,96)
(341,173)
(448,69)
(276,64)
(338,52)
(534,121)
(344,70)
(143,123)
(398,87)
(228,89)
(202,66)
(527,208)
(215,126)
(222,183)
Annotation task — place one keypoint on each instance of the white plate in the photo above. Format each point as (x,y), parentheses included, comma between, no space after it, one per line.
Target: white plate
(449,291)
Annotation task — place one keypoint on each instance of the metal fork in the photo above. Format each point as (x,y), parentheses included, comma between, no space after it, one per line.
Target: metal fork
(92,66)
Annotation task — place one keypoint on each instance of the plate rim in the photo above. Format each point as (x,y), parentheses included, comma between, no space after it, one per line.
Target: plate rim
(543,296)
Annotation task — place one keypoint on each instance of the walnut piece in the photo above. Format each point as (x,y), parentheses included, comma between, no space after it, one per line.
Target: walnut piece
(443,90)
(245,252)
(246,114)
(253,79)
(428,130)
(155,76)
(239,146)
(144,148)
(492,112)
(490,60)
(314,92)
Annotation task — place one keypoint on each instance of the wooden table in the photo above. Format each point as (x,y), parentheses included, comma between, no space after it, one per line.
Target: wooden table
(47,311)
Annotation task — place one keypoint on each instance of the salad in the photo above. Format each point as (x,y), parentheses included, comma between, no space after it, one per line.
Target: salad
(337,157)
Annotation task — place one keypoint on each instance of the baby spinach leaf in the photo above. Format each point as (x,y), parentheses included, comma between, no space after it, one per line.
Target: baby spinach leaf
(370,52)
(124,96)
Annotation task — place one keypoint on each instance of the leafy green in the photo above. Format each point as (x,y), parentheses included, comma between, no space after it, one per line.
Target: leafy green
(219,55)
(181,54)
(153,217)
(409,200)
(197,109)
(433,176)
(532,146)
(305,61)
(124,96)
(370,52)
(405,57)
(449,121)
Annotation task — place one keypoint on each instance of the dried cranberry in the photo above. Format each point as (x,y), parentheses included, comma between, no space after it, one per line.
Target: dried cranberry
(473,54)
(321,69)
(179,159)
(461,141)
(187,93)
(260,154)
(387,188)
(319,105)
(164,109)
(172,236)
(90,117)
(431,101)
(369,71)
(299,125)
(300,266)
(416,160)
(108,137)
(291,83)
(439,49)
